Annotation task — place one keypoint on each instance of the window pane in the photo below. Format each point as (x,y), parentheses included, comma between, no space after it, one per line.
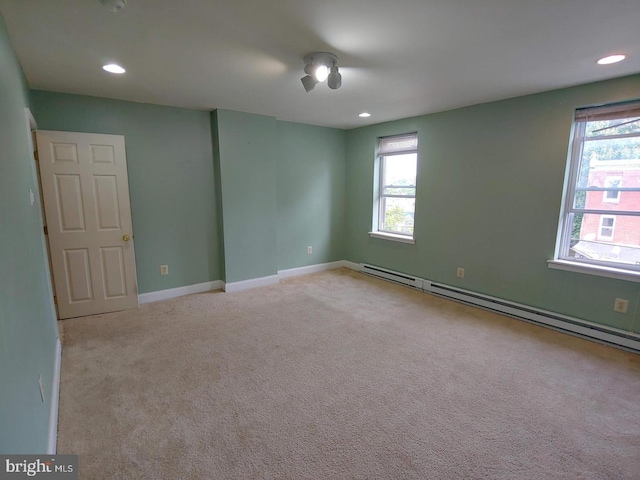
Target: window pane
(611,195)
(607,176)
(614,200)
(612,149)
(612,238)
(398,214)
(399,170)
(409,191)
(617,126)
(606,232)
(610,163)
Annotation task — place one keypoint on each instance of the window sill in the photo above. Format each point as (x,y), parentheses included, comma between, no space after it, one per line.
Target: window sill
(392,237)
(609,272)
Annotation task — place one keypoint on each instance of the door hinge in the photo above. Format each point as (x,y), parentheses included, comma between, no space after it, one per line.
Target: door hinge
(46,230)
(55,300)
(35,155)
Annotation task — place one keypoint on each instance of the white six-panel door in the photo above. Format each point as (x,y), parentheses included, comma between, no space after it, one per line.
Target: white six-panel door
(88,216)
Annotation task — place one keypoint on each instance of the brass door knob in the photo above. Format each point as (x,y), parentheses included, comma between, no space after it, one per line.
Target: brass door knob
(126,238)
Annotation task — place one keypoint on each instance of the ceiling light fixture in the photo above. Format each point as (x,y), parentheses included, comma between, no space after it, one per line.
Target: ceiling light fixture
(321,66)
(611,59)
(364,115)
(113,68)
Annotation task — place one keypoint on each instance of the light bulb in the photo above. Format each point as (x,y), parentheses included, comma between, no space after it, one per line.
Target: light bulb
(322,72)
(335,79)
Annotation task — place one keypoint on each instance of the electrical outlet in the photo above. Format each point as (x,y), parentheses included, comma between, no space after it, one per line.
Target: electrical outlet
(164,269)
(460,272)
(41,387)
(620,305)
(309,250)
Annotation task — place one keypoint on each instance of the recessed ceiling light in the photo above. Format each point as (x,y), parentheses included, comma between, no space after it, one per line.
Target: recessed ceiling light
(364,115)
(611,59)
(113,68)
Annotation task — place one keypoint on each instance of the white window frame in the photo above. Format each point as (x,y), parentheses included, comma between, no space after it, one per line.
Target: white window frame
(601,236)
(378,230)
(562,260)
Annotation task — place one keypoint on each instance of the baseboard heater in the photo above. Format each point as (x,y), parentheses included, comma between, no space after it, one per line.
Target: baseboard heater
(396,277)
(582,328)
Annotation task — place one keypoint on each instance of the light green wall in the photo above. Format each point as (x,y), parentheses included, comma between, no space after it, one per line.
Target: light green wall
(28,329)
(282,189)
(490,180)
(311,194)
(247,152)
(197,208)
(171,181)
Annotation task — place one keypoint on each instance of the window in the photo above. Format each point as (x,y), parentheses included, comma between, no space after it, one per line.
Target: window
(612,196)
(606,227)
(396,193)
(600,225)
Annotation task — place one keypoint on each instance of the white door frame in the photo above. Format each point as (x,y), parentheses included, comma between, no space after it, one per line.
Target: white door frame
(32,126)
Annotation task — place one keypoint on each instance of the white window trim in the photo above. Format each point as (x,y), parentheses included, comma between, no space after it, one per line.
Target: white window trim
(378,214)
(392,236)
(590,267)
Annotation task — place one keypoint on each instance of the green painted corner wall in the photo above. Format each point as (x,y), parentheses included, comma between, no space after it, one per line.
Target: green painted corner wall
(215,142)
(28,330)
(490,181)
(171,181)
(246,148)
(311,178)
(281,189)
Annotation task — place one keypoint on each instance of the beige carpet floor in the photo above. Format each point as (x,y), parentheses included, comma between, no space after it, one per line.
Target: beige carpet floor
(340,376)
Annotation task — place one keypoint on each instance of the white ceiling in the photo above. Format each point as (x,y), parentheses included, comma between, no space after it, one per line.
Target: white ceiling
(398,58)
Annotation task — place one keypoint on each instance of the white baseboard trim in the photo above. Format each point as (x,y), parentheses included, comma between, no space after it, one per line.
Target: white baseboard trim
(287,273)
(251,283)
(320,267)
(55,399)
(180,291)
(243,284)
(351,265)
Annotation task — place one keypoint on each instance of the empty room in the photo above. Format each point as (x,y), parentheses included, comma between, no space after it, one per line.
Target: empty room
(341,239)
